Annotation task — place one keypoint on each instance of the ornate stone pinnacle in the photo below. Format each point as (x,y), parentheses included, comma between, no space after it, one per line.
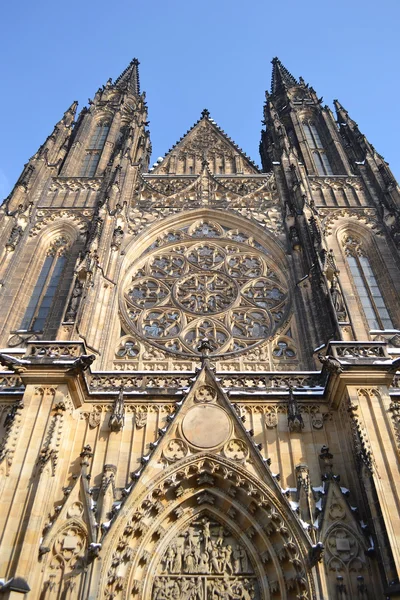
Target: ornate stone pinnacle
(205,113)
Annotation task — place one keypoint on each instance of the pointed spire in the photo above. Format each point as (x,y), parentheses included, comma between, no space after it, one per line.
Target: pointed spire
(69,115)
(129,79)
(281,78)
(343,115)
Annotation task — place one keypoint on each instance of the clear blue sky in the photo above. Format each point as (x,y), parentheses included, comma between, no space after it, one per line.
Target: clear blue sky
(213,54)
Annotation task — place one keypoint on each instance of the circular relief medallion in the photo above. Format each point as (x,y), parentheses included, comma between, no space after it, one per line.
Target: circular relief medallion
(235,449)
(206,426)
(205,293)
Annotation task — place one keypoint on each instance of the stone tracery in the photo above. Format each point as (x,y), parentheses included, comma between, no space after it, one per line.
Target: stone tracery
(219,289)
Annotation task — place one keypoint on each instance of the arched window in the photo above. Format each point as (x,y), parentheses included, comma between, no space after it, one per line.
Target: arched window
(314,141)
(99,137)
(94,150)
(45,288)
(368,290)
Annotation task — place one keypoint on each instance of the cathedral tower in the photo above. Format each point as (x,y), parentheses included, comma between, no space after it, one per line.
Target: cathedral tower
(199,389)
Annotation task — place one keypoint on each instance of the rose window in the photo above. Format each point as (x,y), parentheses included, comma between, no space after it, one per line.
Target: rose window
(222,289)
(205,293)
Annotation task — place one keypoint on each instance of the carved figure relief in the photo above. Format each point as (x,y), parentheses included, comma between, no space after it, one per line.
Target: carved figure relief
(205,562)
(216,289)
(94,419)
(271,420)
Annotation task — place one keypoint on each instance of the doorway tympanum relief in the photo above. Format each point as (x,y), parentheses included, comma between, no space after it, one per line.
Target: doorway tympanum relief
(205,562)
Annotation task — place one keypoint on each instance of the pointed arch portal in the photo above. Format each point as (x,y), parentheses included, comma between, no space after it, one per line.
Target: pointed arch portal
(207,529)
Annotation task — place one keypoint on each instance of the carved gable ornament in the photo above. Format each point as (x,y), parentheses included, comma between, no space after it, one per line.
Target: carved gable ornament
(205,141)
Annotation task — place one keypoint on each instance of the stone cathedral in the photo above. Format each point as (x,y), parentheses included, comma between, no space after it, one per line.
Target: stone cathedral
(199,398)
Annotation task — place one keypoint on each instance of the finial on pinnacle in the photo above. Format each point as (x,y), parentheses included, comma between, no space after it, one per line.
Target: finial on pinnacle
(205,113)
(204,348)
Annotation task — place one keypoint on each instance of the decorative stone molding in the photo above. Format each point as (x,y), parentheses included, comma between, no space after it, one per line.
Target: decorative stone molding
(8,444)
(367,216)
(46,217)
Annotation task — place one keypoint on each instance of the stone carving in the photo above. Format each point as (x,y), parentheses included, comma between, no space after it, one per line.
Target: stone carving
(175,450)
(118,236)
(215,289)
(342,544)
(94,419)
(271,420)
(66,558)
(205,562)
(127,350)
(394,409)
(236,449)
(337,300)
(75,510)
(317,420)
(364,215)
(140,419)
(205,393)
(44,217)
(117,418)
(74,301)
(41,349)
(283,351)
(205,293)
(14,238)
(12,425)
(295,420)
(50,448)
(176,381)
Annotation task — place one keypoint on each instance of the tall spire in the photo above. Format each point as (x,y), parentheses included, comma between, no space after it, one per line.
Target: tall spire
(343,115)
(281,78)
(129,78)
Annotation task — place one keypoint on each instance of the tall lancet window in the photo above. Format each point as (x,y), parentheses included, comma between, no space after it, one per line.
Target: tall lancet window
(314,141)
(94,150)
(368,290)
(45,288)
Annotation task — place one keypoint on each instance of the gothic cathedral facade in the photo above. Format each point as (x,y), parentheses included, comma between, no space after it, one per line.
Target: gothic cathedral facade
(199,397)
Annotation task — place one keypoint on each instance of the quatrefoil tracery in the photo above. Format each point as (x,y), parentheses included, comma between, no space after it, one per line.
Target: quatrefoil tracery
(218,288)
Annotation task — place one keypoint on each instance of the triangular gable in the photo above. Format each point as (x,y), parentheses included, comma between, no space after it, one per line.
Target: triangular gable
(207,423)
(204,479)
(205,141)
(337,513)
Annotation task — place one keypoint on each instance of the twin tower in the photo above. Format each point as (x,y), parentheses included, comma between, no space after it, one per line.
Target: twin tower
(199,397)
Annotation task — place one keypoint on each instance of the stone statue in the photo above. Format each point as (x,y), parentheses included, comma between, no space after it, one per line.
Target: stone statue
(117,418)
(117,238)
(337,300)
(74,301)
(15,236)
